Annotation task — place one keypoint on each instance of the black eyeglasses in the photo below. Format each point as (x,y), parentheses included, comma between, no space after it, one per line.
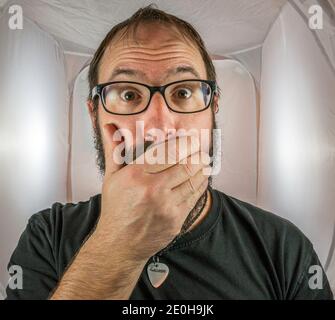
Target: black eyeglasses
(128,97)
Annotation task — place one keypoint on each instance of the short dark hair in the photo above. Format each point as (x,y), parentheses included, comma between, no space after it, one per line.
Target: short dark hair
(149,14)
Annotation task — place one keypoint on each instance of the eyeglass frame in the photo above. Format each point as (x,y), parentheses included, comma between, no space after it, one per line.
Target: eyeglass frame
(97,90)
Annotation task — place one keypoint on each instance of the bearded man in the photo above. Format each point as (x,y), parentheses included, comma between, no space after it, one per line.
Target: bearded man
(158,230)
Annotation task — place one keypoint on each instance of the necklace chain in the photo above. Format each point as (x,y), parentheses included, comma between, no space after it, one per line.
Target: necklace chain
(184,229)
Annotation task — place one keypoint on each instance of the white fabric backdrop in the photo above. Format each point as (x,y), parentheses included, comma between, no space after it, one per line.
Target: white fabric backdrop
(33,130)
(81,25)
(85,179)
(326,35)
(237,119)
(297,131)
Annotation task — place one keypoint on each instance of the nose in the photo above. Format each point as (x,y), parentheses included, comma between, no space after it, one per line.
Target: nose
(159,120)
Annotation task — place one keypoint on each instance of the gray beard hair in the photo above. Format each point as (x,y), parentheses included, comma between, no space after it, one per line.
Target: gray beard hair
(100,160)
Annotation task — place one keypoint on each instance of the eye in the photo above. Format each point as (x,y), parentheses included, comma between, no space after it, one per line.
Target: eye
(183,93)
(128,95)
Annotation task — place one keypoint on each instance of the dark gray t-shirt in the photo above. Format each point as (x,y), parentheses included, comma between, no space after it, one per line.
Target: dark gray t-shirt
(238,251)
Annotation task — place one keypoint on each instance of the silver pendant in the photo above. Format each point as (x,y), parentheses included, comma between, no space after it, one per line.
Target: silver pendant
(157,273)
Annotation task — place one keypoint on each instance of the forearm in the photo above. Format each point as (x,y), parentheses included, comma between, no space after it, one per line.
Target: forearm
(97,274)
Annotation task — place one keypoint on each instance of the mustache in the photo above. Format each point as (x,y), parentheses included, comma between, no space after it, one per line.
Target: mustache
(137,150)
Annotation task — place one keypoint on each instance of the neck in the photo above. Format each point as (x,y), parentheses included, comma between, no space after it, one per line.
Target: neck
(203,213)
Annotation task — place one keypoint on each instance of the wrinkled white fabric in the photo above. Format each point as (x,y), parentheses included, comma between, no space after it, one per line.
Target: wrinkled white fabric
(237,120)
(33,129)
(226,26)
(325,37)
(85,178)
(297,131)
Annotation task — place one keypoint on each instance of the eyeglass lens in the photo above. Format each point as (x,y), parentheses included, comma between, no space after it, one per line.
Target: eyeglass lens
(128,98)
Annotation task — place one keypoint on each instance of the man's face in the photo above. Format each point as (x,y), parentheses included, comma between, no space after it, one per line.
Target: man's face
(157,57)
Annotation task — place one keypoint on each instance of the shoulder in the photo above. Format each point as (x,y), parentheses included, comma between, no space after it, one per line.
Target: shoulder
(274,238)
(279,243)
(64,227)
(49,242)
(268,225)
(67,215)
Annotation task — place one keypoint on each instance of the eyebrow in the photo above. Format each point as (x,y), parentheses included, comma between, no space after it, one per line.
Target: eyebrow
(127,72)
(182,69)
(170,72)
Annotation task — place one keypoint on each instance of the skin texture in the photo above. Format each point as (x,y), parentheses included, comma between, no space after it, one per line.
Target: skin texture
(135,220)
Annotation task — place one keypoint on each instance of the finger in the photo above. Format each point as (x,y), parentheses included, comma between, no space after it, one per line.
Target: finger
(181,172)
(161,156)
(188,188)
(114,144)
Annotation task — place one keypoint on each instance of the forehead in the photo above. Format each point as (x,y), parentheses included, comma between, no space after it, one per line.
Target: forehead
(153,53)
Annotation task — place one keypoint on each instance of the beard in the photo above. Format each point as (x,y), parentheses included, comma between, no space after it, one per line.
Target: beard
(200,204)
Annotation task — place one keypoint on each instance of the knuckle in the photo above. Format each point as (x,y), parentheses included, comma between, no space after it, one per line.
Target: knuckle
(167,218)
(159,183)
(149,191)
(188,169)
(191,185)
(132,173)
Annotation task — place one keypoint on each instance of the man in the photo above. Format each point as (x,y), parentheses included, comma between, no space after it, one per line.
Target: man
(158,230)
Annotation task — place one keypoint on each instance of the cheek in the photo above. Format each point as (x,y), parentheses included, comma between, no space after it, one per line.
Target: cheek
(200,124)
(196,121)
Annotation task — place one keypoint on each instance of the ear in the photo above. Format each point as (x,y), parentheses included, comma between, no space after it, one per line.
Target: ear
(216,103)
(90,107)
